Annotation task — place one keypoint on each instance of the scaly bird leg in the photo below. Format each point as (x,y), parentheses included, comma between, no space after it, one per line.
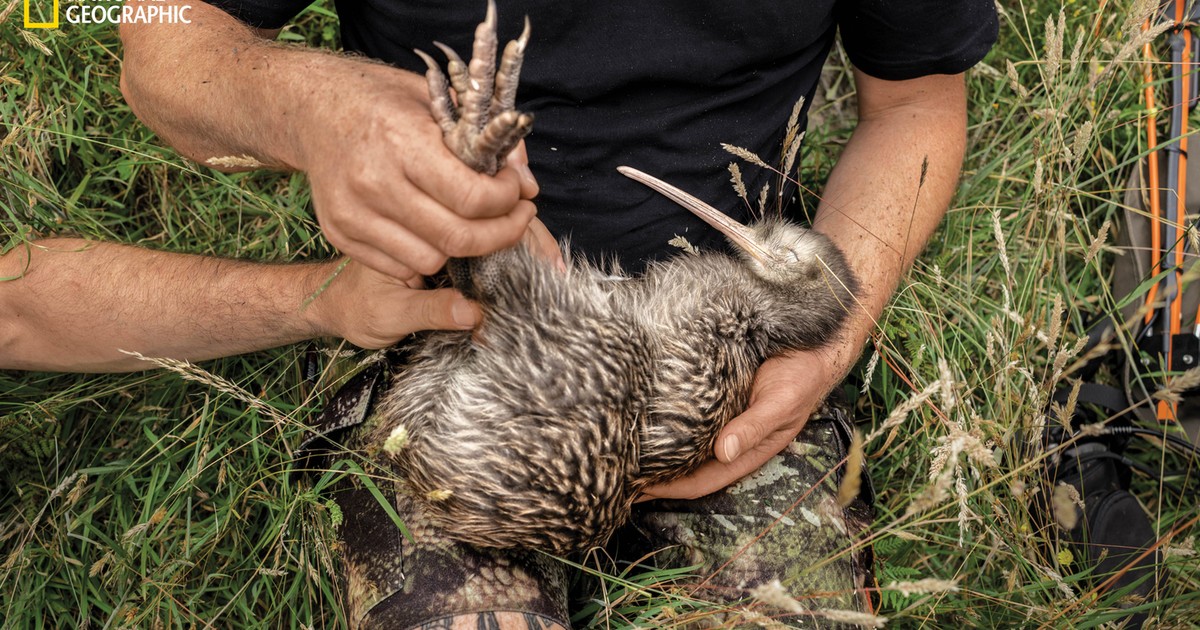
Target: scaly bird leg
(484,125)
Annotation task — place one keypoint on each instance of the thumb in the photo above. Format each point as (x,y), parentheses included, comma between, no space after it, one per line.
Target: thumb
(744,432)
(518,159)
(441,309)
(542,243)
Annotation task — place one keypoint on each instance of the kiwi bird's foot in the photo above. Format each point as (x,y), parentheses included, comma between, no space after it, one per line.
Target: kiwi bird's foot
(483,125)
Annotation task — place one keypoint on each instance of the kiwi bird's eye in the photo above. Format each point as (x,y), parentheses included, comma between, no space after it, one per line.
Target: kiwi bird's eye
(791,256)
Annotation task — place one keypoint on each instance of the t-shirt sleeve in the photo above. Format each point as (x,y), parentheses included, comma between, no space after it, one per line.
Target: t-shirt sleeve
(905,39)
(269,14)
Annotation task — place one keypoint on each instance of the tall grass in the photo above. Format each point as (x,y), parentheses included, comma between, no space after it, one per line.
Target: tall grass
(151,499)
(989,326)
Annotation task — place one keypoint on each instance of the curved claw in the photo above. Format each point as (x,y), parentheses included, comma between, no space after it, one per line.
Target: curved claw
(481,72)
(489,18)
(457,68)
(509,74)
(440,104)
(484,126)
(429,62)
(523,40)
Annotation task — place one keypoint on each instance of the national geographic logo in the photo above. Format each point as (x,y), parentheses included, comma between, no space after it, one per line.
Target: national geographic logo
(45,13)
(32,22)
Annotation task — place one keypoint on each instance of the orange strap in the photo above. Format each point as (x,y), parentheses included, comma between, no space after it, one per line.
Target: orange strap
(1181,94)
(1152,169)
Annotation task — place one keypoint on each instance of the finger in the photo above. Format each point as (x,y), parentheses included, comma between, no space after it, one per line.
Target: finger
(374,239)
(439,309)
(468,194)
(518,160)
(371,238)
(380,282)
(452,235)
(714,475)
(744,433)
(710,477)
(379,261)
(539,241)
(368,255)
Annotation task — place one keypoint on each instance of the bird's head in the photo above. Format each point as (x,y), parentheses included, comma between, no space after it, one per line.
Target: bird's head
(811,287)
(776,250)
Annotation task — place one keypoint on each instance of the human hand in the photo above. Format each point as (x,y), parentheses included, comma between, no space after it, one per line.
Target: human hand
(375,310)
(786,391)
(542,243)
(390,195)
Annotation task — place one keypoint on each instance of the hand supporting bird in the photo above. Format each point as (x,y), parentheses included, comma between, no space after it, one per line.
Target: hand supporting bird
(787,390)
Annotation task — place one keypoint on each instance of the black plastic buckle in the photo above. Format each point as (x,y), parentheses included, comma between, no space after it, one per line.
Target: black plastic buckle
(1185,350)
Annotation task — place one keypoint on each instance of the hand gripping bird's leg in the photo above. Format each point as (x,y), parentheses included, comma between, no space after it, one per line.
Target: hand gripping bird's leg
(484,126)
(491,278)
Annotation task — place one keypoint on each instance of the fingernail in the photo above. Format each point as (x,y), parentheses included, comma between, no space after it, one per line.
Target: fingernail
(463,313)
(733,447)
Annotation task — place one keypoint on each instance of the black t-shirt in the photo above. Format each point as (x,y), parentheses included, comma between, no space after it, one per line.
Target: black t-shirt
(658,85)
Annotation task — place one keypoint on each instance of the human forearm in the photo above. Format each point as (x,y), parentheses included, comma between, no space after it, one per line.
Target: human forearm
(74,305)
(871,208)
(876,206)
(219,92)
(386,190)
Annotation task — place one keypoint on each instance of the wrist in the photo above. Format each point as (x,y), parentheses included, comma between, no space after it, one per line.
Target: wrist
(319,315)
(833,362)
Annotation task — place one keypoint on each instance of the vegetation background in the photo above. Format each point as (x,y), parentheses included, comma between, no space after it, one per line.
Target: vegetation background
(163,498)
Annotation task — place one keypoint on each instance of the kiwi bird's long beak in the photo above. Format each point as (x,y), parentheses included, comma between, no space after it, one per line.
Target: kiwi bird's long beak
(738,234)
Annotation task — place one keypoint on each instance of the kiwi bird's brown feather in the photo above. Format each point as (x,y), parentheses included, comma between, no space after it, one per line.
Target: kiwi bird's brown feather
(541,427)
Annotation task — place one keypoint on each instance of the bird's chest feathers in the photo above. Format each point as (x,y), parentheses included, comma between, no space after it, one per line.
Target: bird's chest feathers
(718,346)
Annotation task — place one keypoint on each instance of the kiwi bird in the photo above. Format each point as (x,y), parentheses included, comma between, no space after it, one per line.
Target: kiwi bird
(579,389)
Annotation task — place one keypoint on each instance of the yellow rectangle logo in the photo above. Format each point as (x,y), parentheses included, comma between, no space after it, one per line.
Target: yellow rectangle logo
(29,23)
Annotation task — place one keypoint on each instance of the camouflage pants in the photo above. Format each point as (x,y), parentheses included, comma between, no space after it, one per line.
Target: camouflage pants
(781,523)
